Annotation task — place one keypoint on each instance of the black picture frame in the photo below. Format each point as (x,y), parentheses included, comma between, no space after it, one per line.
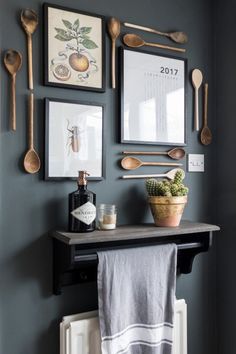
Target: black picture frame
(47,175)
(67,67)
(122,101)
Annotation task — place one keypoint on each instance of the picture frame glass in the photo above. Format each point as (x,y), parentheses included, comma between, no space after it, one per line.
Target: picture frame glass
(74,48)
(152,99)
(74,139)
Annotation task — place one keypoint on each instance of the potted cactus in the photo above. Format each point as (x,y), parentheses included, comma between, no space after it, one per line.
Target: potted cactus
(167,199)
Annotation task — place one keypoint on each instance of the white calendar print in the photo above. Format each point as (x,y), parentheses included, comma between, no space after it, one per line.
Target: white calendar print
(154,99)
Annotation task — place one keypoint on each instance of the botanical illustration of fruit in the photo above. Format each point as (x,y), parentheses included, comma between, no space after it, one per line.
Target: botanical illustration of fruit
(74,48)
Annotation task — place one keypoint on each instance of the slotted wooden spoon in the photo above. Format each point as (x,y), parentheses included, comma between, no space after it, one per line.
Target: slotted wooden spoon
(132,163)
(206,136)
(170,175)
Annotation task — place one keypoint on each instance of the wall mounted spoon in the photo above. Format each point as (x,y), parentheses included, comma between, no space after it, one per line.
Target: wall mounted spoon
(13,62)
(135,41)
(31,161)
(197,82)
(29,20)
(177,37)
(175,154)
(206,136)
(114,32)
(170,175)
(131,163)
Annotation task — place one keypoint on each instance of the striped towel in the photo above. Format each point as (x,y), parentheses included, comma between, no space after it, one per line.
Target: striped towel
(136,294)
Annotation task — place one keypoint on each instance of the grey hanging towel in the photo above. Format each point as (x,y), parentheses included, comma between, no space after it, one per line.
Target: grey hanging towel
(136,294)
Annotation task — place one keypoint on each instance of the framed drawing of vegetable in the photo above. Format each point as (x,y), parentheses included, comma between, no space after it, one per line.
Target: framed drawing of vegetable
(74,48)
(153,98)
(74,139)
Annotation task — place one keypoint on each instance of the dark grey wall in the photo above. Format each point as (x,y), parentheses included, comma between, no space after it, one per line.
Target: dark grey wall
(30,207)
(226,173)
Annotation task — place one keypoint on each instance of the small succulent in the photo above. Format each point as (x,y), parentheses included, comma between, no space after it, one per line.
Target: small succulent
(174,188)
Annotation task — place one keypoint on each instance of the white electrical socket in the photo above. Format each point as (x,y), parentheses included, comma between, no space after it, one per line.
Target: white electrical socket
(195,162)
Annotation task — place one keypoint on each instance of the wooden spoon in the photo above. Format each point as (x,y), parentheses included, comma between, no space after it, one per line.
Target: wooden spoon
(170,175)
(175,154)
(178,37)
(131,163)
(29,20)
(206,136)
(135,41)
(31,161)
(13,62)
(114,32)
(197,82)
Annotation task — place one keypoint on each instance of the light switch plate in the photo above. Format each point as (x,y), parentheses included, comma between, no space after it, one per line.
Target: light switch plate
(195,162)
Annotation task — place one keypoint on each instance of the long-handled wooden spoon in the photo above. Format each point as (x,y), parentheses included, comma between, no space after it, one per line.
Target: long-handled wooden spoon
(206,136)
(13,62)
(178,37)
(31,161)
(131,163)
(170,175)
(114,32)
(135,41)
(29,20)
(197,82)
(175,154)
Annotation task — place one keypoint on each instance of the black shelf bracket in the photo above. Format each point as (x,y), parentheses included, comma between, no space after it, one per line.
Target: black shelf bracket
(75,255)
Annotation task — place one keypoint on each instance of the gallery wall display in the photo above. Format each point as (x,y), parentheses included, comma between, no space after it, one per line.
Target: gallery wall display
(74,48)
(74,139)
(153,98)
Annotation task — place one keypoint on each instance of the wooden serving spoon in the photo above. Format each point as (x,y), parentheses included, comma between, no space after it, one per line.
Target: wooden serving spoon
(29,20)
(13,62)
(31,161)
(131,163)
(197,82)
(177,37)
(135,41)
(114,32)
(206,136)
(170,175)
(175,154)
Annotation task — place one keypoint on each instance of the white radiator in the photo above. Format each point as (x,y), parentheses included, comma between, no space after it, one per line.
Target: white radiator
(80,334)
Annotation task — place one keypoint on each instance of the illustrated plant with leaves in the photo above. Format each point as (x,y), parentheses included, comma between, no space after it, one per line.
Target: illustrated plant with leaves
(81,42)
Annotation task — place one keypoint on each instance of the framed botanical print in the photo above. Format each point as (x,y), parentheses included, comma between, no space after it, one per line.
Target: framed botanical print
(74,48)
(153,98)
(74,139)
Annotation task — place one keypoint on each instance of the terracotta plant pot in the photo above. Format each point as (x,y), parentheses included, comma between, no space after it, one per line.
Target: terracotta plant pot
(167,211)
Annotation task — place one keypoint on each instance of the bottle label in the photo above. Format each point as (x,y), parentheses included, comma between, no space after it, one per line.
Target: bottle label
(85,213)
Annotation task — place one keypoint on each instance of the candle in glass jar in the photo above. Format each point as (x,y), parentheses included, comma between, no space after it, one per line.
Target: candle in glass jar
(107,217)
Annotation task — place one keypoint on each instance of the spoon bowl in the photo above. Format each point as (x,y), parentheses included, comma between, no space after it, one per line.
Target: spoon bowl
(12,61)
(32,161)
(176,153)
(179,37)
(29,20)
(206,136)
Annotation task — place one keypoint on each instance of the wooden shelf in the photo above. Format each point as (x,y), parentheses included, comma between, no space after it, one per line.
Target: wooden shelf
(75,254)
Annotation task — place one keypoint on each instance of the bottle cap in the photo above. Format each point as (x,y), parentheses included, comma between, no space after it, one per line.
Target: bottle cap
(82,179)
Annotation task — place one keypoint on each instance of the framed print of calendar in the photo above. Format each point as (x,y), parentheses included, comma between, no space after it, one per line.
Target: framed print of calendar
(153,98)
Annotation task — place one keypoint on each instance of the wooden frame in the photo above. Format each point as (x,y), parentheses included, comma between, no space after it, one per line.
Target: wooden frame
(136,92)
(74,54)
(74,139)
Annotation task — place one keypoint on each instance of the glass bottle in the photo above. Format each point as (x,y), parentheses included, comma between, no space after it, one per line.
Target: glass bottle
(82,207)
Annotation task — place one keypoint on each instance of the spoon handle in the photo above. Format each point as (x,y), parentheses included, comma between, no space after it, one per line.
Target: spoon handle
(143,176)
(13,105)
(196,111)
(145,153)
(31,121)
(113,63)
(205,104)
(165,47)
(161,164)
(30,61)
